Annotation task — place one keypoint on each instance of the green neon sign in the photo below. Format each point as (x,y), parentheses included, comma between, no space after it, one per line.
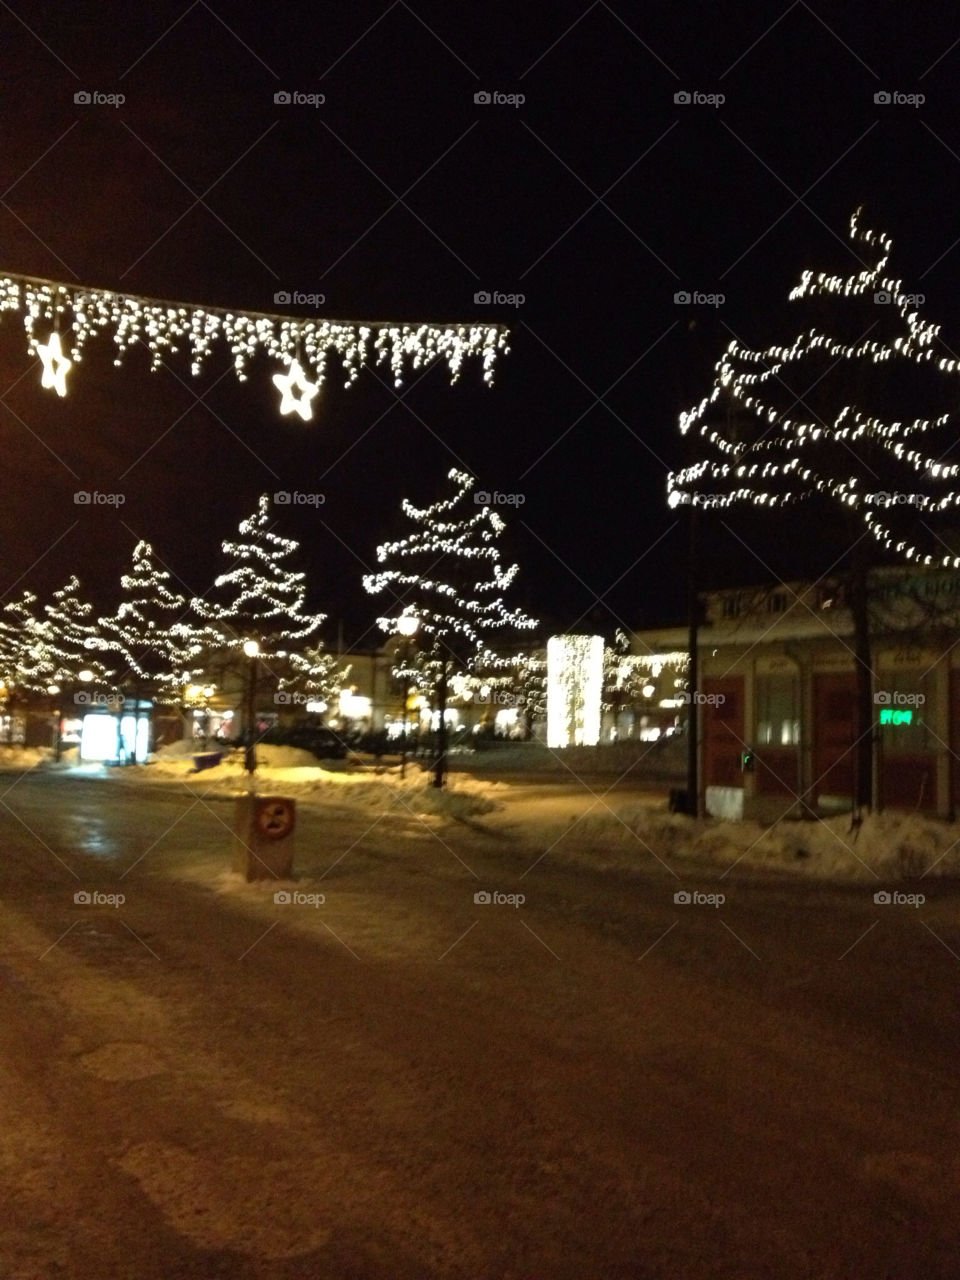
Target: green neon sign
(889,716)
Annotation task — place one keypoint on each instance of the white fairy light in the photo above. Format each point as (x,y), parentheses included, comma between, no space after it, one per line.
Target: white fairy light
(746,378)
(55,364)
(293,380)
(456,544)
(168,329)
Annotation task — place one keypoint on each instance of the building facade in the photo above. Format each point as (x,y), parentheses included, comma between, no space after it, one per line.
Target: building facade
(777,690)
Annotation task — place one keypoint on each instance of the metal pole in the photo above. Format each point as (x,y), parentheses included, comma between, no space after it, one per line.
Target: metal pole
(250,754)
(441,761)
(403,729)
(693,674)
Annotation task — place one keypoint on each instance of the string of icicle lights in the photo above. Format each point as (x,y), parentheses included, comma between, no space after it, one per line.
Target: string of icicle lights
(782,467)
(60,319)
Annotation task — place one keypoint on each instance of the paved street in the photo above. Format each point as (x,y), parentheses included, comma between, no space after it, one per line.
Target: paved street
(401,1082)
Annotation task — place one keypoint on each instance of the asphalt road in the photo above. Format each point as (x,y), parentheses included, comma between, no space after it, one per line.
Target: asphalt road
(402,1082)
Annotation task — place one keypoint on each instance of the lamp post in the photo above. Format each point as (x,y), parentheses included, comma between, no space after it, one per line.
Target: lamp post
(407,625)
(251,649)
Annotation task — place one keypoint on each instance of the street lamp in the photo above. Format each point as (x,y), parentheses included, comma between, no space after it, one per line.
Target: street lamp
(251,649)
(407,624)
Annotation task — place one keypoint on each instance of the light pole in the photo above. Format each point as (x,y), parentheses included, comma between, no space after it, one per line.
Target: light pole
(251,649)
(407,626)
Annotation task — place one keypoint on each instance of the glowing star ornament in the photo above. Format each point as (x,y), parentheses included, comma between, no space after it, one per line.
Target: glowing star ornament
(296,379)
(55,364)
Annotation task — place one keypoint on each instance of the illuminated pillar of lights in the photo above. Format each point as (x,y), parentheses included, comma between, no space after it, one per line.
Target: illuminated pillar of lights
(574,690)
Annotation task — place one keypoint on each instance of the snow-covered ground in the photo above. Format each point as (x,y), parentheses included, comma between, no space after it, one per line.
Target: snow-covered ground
(293,772)
(579,825)
(891,845)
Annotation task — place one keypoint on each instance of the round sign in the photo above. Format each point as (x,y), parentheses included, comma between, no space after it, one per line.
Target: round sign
(275,819)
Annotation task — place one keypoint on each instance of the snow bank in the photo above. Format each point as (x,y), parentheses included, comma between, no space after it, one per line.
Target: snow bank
(889,845)
(16,757)
(300,774)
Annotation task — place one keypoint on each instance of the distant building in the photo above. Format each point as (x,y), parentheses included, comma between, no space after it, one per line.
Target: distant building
(777,695)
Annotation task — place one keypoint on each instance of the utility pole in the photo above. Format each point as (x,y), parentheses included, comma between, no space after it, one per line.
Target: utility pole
(693,669)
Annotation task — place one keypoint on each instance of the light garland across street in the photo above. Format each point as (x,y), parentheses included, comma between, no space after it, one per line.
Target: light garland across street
(57,315)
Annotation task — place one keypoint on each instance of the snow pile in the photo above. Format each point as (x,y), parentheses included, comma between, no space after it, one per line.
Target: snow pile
(18,757)
(180,755)
(300,774)
(890,845)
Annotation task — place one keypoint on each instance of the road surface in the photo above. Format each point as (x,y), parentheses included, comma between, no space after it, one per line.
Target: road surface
(404,1082)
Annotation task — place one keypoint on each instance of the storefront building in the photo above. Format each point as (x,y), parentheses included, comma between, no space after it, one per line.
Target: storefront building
(776,703)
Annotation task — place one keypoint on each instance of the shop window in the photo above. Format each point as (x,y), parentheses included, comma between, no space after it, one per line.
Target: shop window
(778,711)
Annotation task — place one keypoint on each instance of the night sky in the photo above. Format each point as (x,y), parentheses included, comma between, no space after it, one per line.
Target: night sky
(598,198)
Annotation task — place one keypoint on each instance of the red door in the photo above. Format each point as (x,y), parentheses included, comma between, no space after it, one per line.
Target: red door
(722,728)
(834,717)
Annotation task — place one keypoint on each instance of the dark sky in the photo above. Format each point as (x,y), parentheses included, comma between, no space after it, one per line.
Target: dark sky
(598,199)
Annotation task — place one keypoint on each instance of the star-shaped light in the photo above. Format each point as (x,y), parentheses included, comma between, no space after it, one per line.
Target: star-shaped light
(296,378)
(55,364)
